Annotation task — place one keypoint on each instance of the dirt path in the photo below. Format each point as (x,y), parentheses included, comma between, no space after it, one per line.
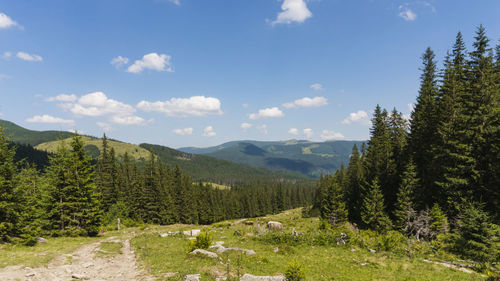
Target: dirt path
(83,264)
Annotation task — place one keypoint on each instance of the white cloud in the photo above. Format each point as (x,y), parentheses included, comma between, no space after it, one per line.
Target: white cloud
(293,131)
(406,13)
(411,107)
(263,129)
(209,132)
(245,126)
(45,118)
(184,107)
(28,57)
(119,61)
(63,97)
(331,135)
(272,112)
(293,11)
(152,61)
(128,120)
(6,55)
(316,87)
(98,104)
(176,2)
(4,76)
(183,132)
(7,22)
(308,132)
(358,117)
(307,102)
(105,126)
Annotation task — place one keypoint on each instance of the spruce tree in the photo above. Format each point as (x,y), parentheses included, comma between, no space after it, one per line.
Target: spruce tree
(439,221)
(423,128)
(405,196)
(373,209)
(86,213)
(354,186)
(106,178)
(335,211)
(9,203)
(478,238)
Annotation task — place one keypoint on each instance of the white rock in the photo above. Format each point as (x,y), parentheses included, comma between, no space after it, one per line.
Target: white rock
(31,274)
(204,253)
(276,249)
(372,250)
(249,277)
(192,277)
(41,240)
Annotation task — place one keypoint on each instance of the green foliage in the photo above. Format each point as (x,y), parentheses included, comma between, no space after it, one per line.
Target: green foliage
(202,241)
(373,212)
(295,272)
(30,241)
(405,196)
(9,198)
(439,221)
(478,238)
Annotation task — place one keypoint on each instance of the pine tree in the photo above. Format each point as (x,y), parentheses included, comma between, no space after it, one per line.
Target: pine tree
(439,221)
(373,210)
(335,211)
(86,214)
(29,186)
(398,132)
(354,186)
(107,175)
(405,197)
(9,203)
(423,128)
(477,235)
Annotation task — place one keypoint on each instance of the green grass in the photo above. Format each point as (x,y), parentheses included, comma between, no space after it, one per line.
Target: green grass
(41,253)
(168,254)
(133,150)
(109,249)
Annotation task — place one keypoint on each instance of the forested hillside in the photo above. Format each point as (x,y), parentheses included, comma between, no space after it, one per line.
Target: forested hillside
(206,168)
(21,135)
(308,158)
(435,177)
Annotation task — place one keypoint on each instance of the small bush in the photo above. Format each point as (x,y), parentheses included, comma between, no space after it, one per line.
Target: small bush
(30,241)
(295,272)
(391,241)
(203,241)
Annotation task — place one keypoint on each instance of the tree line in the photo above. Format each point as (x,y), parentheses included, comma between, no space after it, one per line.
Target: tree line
(76,196)
(438,173)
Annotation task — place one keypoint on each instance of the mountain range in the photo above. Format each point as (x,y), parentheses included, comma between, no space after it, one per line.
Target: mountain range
(226,163)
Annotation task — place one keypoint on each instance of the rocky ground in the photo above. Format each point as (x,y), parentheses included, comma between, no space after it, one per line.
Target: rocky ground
(84,264)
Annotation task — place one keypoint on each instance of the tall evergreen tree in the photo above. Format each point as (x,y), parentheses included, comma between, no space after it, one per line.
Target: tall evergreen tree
(9,205)
(86,213)
(354,186)
(405,196)
(423,127)
(334,208)
(373,210)
(107,175)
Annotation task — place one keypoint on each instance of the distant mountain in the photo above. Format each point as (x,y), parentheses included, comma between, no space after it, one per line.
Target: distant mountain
(200,167)
(206,168)
(19,134)
(309,158)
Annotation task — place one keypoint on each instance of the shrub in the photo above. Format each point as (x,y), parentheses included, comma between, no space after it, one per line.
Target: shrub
(203,241)
(295,272)
(391,241)
(30,241)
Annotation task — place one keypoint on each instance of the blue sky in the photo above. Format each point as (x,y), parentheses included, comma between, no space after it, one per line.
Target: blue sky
(202,72)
